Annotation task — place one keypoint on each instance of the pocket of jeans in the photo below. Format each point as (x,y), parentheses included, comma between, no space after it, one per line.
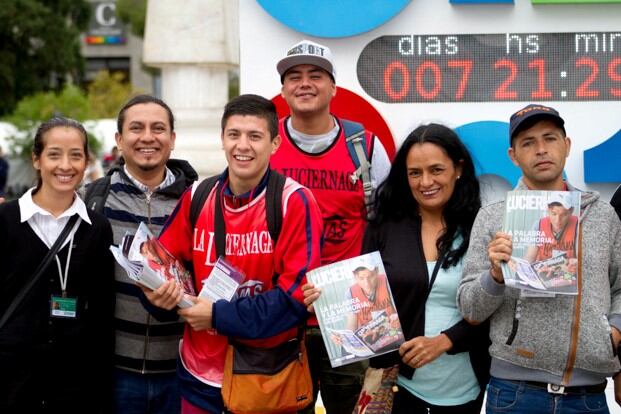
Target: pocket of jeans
(500,398)
(595,403)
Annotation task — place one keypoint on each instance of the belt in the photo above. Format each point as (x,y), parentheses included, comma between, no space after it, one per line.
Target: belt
(560,389)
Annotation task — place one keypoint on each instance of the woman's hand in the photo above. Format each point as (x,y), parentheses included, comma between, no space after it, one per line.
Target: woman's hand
(311,294)
(421,350)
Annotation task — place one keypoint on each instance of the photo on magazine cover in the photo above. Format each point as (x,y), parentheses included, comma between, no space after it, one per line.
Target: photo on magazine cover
(544,229)
(165,264)
(356,310)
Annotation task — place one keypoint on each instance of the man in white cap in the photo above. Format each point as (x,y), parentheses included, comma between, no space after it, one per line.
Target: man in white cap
(342,163)
(549,354)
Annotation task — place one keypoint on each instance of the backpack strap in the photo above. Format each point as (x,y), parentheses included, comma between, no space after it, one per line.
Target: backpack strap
(355,138)
(273,203)
(273,207)
(200,196)
(97,193)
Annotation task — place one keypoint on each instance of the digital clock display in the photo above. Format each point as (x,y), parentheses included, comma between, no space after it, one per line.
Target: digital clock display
(493,67)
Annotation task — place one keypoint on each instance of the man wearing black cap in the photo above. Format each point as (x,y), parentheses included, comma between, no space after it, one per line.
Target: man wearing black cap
(342,163)
(549,354)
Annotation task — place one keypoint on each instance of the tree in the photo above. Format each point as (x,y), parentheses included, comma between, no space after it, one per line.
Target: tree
(134,13)
(107,94)
(71,102)
(39,46)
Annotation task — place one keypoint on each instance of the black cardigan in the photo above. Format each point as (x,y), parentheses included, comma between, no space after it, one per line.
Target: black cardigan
(400,244)
(43,358)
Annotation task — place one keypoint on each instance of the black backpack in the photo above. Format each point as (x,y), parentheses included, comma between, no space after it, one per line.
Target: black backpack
(273,207)
(97,193)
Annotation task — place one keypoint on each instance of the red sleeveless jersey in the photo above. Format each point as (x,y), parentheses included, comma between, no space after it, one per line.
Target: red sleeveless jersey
(381,302)
(328,175)
(566,243)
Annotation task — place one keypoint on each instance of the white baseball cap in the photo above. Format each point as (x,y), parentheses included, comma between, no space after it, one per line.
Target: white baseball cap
(560,197)
(307,52)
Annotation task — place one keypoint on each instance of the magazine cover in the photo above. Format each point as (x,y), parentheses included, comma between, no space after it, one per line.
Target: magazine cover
(356,310)
(147,262)
(544,228)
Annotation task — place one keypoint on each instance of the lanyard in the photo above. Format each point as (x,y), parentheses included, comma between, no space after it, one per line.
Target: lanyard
(61,277)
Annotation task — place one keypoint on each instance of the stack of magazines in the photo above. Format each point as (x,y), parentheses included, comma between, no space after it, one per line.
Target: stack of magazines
(148,263)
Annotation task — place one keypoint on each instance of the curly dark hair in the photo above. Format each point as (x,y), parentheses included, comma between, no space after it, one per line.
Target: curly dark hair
(394,200)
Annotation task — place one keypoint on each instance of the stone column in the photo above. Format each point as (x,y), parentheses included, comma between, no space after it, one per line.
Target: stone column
(195,43)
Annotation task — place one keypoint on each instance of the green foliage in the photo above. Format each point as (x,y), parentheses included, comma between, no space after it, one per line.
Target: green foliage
(39,46)
(134,13)
(233,83)
(107,94)
(71,102)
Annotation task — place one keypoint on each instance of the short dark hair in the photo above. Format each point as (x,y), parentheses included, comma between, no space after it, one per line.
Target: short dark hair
(143,99)
(363,268)
(394,199)
(253,105)
(44,128)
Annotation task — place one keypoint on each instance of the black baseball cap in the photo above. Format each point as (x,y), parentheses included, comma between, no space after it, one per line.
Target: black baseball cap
(530,113)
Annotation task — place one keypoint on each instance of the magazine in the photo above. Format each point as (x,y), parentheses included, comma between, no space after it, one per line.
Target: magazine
(356,310)
(544,229)
(147,262)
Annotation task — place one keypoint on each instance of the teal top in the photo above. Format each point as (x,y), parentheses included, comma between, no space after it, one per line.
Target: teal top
(449,380)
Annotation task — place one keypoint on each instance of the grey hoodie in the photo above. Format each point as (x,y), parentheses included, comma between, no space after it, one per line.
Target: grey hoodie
(563,340)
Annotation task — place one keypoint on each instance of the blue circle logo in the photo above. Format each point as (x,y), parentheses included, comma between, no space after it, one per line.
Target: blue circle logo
(329,18)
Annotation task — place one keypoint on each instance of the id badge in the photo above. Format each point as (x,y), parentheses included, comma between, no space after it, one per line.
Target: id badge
(64,307)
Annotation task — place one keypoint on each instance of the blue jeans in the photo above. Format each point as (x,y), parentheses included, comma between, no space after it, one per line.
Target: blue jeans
(518,397)
(146,394)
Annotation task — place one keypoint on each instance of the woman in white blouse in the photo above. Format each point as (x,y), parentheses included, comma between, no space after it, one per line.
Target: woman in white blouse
(56,333)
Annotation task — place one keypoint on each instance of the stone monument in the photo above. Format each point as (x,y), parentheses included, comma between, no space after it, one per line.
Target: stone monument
(195,43)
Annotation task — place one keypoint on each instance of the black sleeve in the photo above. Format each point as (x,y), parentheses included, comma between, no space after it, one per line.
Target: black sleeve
(162,315)
(466,337)
(616,201)
(370,241)
(102,302)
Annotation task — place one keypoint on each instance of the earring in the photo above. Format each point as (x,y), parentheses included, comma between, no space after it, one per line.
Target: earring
(458,177)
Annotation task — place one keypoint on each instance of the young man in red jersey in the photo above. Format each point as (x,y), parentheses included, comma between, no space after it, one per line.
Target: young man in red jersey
(315,153)
(261,313)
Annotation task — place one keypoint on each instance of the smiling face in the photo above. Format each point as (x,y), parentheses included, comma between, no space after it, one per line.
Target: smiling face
(247,145)
(559,217)
(146,139)
(62,161)
(308,90)
(540,152)
(367,280)
(431,176)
